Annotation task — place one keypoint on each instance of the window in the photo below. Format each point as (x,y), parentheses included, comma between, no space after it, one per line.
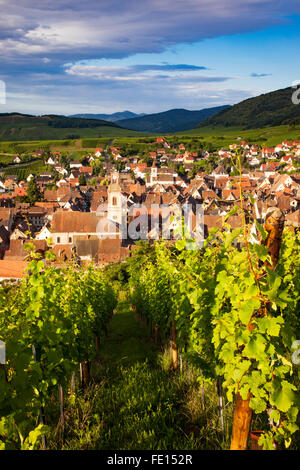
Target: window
(70,239)
(114,201)
(58,239)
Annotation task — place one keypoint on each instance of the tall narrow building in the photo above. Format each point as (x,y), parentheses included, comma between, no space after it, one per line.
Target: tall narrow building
(115,200)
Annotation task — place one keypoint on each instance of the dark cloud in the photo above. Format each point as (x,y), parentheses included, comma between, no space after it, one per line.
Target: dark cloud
(169,67)
(259,75)
(119,28)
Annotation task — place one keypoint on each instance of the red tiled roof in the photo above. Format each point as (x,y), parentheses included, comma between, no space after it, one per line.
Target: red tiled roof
(79,222)
(21,192)
(86,169)
(12,269)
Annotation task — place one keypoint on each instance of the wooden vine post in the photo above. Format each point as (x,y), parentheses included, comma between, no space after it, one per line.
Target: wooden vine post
(174,346)
(274,223)
(85,375)
(97,345)
(156,334)
(61,406)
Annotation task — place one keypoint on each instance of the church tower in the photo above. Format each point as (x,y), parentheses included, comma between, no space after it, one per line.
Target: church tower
(115,199)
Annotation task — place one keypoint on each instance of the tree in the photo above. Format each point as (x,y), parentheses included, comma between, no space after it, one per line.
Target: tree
(82,180)
(33,192)
(180,170)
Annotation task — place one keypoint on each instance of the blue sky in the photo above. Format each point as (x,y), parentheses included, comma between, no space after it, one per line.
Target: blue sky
(104,56)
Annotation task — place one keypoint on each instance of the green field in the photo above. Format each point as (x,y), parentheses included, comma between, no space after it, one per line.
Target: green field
(46,133)
(200,138)
(22,172)
(223,136)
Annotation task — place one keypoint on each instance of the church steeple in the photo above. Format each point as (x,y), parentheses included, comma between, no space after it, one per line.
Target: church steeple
(115,199)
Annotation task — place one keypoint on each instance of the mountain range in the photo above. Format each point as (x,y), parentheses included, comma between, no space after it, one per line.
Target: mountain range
(109,117)
(270,109)
(174,120)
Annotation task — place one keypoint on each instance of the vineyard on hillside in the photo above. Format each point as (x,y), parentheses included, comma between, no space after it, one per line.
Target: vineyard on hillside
(229,308)
(51,324)
(234,316)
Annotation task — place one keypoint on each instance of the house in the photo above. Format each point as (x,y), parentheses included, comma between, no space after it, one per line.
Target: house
(12,269)
(20,192)
(269,168)
(179,157)
(17,249)
(254,161)
(98,152)
(141,170)
(61,170)
(158,175)
(18,234)
(287,145)
(75,164)
(61,182)
(281,182)
(36,216)
(10,181)
(51,161)
(44,233)
(286,159)
(267,152)
(29,177)
(17,159)
(244,145)
(6,218)
(293,219)
(68,225)
(219,172)
(223,152)
(4,239)
(254,150)
(86,170)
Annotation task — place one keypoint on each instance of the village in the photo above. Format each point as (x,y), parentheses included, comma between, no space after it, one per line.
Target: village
(79,206)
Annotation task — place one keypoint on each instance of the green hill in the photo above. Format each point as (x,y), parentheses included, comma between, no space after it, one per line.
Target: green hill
(24,127)
(270,109)
(174,120)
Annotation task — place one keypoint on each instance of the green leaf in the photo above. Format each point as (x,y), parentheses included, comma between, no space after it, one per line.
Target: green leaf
(262,231)
(284,397)
(247,309)
(180,244)
(255,347)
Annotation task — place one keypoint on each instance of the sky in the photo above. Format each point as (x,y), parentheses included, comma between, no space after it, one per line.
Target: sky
(146,56)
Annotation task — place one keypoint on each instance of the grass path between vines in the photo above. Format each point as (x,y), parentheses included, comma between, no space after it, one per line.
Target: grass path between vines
(128,341)
(136,401)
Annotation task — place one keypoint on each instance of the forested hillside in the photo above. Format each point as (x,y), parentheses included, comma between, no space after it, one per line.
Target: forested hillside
(271,109)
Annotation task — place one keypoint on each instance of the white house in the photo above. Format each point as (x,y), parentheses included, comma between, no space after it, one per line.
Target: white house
(75,165)
(51,161)
(44,233)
